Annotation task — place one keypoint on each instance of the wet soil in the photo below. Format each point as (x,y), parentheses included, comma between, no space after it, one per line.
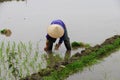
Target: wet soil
(10,0)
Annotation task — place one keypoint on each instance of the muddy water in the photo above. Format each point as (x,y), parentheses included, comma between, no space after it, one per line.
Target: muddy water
(89,21)
(108,69)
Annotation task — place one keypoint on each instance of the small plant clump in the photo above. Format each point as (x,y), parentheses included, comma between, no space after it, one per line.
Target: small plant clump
(76,44)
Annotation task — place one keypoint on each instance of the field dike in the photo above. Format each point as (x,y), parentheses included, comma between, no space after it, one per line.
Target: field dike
(10,0)
(87,57)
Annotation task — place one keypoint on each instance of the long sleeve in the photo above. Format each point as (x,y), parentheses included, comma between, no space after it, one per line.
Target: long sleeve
(50,38)
(61,39)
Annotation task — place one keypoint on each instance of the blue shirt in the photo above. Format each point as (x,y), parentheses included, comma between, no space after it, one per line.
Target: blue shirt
(61,23)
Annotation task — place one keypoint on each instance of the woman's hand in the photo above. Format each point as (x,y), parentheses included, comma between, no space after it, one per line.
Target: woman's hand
(57,46)
(45,48)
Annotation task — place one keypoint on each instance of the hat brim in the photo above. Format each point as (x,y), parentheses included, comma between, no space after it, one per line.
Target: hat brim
(55,31)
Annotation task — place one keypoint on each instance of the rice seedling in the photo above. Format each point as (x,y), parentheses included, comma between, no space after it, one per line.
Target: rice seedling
(8,48)
(15,59)
(76,45)
(1,49)
(12,62)
(30,47)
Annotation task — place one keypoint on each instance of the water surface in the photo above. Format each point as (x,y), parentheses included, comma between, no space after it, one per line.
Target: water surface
(89,21)
(108,69)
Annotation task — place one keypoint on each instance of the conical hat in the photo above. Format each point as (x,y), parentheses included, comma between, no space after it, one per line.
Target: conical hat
(55,31)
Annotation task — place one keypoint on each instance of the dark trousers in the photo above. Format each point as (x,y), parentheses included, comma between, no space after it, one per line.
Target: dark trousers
(66,43)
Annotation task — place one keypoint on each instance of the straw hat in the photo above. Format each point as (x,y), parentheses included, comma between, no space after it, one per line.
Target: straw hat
(55,31)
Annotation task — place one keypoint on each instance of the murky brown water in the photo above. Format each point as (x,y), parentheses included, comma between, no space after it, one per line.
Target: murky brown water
(89,21)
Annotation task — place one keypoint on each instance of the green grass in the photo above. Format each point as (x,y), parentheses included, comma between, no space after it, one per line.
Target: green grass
(84,61)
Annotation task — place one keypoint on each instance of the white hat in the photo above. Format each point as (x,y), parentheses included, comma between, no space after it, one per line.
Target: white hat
(55,31)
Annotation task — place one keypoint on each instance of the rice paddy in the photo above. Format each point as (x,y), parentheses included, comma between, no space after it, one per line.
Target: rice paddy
(87,57)
(25,60)
(19,60)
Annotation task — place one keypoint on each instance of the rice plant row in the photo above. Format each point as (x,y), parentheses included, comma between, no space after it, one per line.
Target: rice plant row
(18,60)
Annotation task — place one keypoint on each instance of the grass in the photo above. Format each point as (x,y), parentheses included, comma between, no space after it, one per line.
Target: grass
(84,61)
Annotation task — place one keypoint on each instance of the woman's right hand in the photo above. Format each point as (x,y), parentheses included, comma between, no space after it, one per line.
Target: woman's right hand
(45,48)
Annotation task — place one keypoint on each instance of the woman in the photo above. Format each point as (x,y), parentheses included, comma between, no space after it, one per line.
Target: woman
(57,29)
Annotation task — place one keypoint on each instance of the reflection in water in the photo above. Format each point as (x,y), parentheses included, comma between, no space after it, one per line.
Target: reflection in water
(85,20)
(89,21)
(54,59)
(108,69)
(67,55)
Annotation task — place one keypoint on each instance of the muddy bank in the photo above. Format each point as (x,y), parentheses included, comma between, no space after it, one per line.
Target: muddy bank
(10,0)
(62,69)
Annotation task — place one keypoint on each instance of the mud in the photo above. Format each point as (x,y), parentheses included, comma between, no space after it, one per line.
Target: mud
(10,0)
(59,65)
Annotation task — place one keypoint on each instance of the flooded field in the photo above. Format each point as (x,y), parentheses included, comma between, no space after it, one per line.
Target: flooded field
(108,69)
(87,21)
